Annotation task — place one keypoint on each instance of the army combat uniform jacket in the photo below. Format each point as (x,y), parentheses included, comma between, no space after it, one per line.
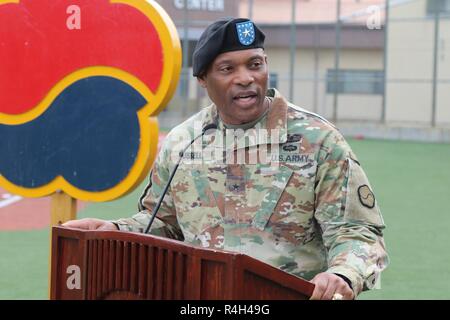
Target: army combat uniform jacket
(304,205)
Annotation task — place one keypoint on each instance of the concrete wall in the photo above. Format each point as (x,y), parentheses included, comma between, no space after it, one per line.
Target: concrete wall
(409,70)
(410,66)
(310,76)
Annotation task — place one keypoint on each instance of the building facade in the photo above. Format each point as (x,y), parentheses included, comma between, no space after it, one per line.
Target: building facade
(340,70)
(418,72)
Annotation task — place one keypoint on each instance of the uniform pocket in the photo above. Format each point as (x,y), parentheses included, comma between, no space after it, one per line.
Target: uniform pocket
(195,203)
(291,220)
(273,189)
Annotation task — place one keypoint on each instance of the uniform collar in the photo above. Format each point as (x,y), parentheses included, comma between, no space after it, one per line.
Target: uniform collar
(275,124)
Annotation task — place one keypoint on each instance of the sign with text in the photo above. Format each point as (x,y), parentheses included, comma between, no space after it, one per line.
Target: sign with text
(205,5)
(81,84)
(199,11)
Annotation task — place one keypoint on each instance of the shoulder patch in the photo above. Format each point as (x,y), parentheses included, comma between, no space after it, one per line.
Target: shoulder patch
(360,205)
(366,196)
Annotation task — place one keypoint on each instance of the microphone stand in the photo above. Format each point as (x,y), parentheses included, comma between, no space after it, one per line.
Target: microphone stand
(166,188)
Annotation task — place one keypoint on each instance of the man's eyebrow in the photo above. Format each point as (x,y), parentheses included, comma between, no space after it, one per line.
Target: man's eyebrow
(226,61)
(256,56)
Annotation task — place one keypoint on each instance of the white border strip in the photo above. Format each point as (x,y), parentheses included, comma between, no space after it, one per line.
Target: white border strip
(9,201)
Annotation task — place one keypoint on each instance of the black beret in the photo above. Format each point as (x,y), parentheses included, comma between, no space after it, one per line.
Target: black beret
(224,36)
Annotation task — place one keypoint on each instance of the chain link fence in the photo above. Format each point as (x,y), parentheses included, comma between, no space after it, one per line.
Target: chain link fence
(372,62)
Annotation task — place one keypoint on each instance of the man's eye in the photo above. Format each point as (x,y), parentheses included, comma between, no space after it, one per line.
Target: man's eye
(225,69)
(256,64)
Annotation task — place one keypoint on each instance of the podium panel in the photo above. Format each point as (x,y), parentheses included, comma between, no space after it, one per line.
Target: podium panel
(92,265)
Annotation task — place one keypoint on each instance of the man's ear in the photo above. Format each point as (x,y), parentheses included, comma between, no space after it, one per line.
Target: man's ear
(201,81)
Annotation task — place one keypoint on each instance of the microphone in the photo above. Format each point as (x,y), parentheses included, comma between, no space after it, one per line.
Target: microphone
(166,188)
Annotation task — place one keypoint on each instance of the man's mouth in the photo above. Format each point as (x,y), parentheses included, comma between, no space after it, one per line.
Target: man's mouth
(245,98)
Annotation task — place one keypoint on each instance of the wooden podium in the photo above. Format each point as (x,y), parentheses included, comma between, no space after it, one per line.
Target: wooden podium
(123,265)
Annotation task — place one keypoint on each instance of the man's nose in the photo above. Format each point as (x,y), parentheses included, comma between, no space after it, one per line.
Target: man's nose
(244,77)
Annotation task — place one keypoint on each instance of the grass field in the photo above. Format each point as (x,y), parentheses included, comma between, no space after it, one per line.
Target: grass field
(411,182)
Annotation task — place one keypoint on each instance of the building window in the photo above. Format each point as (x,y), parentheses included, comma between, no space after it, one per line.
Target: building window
(355,82)
(438,6)
(273,80)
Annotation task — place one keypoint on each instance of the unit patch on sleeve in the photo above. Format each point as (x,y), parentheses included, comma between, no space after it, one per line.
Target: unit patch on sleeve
(366,196)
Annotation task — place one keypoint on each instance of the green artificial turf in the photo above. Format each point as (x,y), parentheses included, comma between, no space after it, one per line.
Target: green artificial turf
(24,264)
(412,185)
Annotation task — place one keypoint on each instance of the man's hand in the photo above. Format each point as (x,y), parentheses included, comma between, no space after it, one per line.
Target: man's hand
(90,224)
(328,284)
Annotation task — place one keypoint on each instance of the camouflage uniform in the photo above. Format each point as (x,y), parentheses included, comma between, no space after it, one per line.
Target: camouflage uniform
(314,212)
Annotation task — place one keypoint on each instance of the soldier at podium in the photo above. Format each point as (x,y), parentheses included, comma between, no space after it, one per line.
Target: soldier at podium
(304,205)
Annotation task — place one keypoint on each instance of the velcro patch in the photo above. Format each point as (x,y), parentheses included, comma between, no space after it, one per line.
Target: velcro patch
(366,196)
(360,205)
